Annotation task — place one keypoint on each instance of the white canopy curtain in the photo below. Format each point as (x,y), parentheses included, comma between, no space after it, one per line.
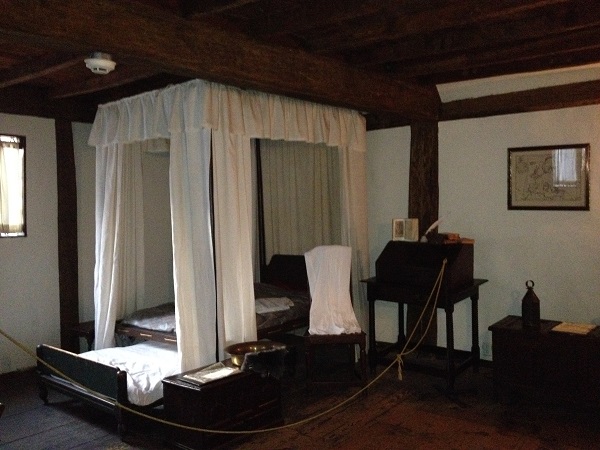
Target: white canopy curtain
(150,118)
(236,117)
(301,192)
(185,113)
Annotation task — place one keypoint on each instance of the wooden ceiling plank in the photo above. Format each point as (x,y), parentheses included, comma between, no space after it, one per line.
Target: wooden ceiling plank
(562,20)
(517,53)
(541,99)
(194,8)
(317,14)
(400,24)
(542,63)
(98,83)
(33,102)
(36,68)
(198,49)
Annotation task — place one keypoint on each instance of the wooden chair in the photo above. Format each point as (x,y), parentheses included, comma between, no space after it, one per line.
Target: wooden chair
(332,321)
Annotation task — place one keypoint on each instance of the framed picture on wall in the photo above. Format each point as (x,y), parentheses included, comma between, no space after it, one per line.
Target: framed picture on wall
(405,230)
(549,177)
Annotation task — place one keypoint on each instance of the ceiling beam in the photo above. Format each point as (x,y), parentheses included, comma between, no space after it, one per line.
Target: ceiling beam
(513,54)
(196,48)
(194,7)
(560,21)
(124,75)
(33,102)
(36,68)
(418,17)
(541,99)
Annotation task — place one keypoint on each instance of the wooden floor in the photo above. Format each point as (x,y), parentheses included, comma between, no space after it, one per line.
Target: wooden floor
(413,413)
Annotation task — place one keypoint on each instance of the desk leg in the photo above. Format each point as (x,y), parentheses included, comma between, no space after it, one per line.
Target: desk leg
(401,342)
(372,346)
(450,369)
(475,351)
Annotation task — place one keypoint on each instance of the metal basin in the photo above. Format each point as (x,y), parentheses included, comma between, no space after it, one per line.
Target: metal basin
(238,351)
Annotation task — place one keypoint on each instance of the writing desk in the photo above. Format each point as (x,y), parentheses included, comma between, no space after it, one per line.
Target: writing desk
(412,295)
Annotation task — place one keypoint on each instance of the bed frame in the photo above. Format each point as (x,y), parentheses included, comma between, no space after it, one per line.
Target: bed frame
(97,384)
(285,271)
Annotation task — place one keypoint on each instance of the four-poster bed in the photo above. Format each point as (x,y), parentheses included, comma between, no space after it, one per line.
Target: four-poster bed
(207,129)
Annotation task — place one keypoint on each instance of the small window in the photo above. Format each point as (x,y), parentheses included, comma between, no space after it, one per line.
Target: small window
(12,186)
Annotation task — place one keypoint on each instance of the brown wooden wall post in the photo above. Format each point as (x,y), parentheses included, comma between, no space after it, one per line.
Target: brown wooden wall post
(67,235)
(423,185)
(423,200)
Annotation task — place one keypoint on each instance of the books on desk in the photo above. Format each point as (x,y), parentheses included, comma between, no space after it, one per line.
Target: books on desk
(574,328)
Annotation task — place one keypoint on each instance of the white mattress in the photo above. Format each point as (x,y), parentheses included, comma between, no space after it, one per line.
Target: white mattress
(146,365)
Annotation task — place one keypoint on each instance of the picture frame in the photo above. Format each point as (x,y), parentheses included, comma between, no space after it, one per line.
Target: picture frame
(405,230)
(553,177)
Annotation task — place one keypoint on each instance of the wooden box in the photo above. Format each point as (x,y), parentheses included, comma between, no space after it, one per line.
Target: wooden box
(545,365)
(242,401)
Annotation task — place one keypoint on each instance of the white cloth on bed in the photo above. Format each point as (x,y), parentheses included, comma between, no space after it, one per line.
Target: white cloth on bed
(273,304)
(146,365)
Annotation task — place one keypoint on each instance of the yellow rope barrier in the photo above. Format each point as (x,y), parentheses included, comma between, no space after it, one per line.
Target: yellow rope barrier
(398,359)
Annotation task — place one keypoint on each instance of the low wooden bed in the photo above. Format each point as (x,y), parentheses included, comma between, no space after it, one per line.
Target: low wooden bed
(104,386)
(284,277)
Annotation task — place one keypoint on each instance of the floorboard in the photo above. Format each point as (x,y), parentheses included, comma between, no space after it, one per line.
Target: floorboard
(412,413)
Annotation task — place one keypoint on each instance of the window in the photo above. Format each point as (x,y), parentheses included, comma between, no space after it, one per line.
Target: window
(566,168)
(12,186)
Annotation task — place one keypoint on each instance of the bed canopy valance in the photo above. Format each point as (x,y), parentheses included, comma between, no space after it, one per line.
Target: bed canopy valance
(200,122)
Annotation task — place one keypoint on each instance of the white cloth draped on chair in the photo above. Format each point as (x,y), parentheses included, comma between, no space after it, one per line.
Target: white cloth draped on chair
(189,114)
(328,269)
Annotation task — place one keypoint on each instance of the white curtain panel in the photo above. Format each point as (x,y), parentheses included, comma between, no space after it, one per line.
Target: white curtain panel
(153,117)
(250,114)
(119,272)
(232,160)
(302,200)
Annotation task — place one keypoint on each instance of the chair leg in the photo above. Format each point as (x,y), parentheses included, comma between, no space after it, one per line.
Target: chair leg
(310,360)
(1,409)
(363,362)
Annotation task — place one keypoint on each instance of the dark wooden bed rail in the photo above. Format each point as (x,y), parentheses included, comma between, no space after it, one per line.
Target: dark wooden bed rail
(99,385)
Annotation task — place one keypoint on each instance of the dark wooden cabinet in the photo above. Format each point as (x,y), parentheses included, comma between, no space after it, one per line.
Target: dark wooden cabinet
(242,401)
(546,365)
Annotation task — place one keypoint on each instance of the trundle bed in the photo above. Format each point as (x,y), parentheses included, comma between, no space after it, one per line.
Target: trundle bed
(128,376)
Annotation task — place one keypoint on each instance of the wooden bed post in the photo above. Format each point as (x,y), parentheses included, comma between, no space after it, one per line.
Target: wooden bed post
(67,235)
(260,206)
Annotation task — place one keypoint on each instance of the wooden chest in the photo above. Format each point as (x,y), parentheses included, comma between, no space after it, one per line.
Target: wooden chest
(545,365)
(242,401)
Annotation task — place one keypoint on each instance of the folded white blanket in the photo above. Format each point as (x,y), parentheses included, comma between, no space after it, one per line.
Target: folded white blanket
(267,305)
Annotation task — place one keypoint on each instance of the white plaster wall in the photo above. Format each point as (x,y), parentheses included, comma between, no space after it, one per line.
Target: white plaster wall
(559,250)
(29,294)
(388,159)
